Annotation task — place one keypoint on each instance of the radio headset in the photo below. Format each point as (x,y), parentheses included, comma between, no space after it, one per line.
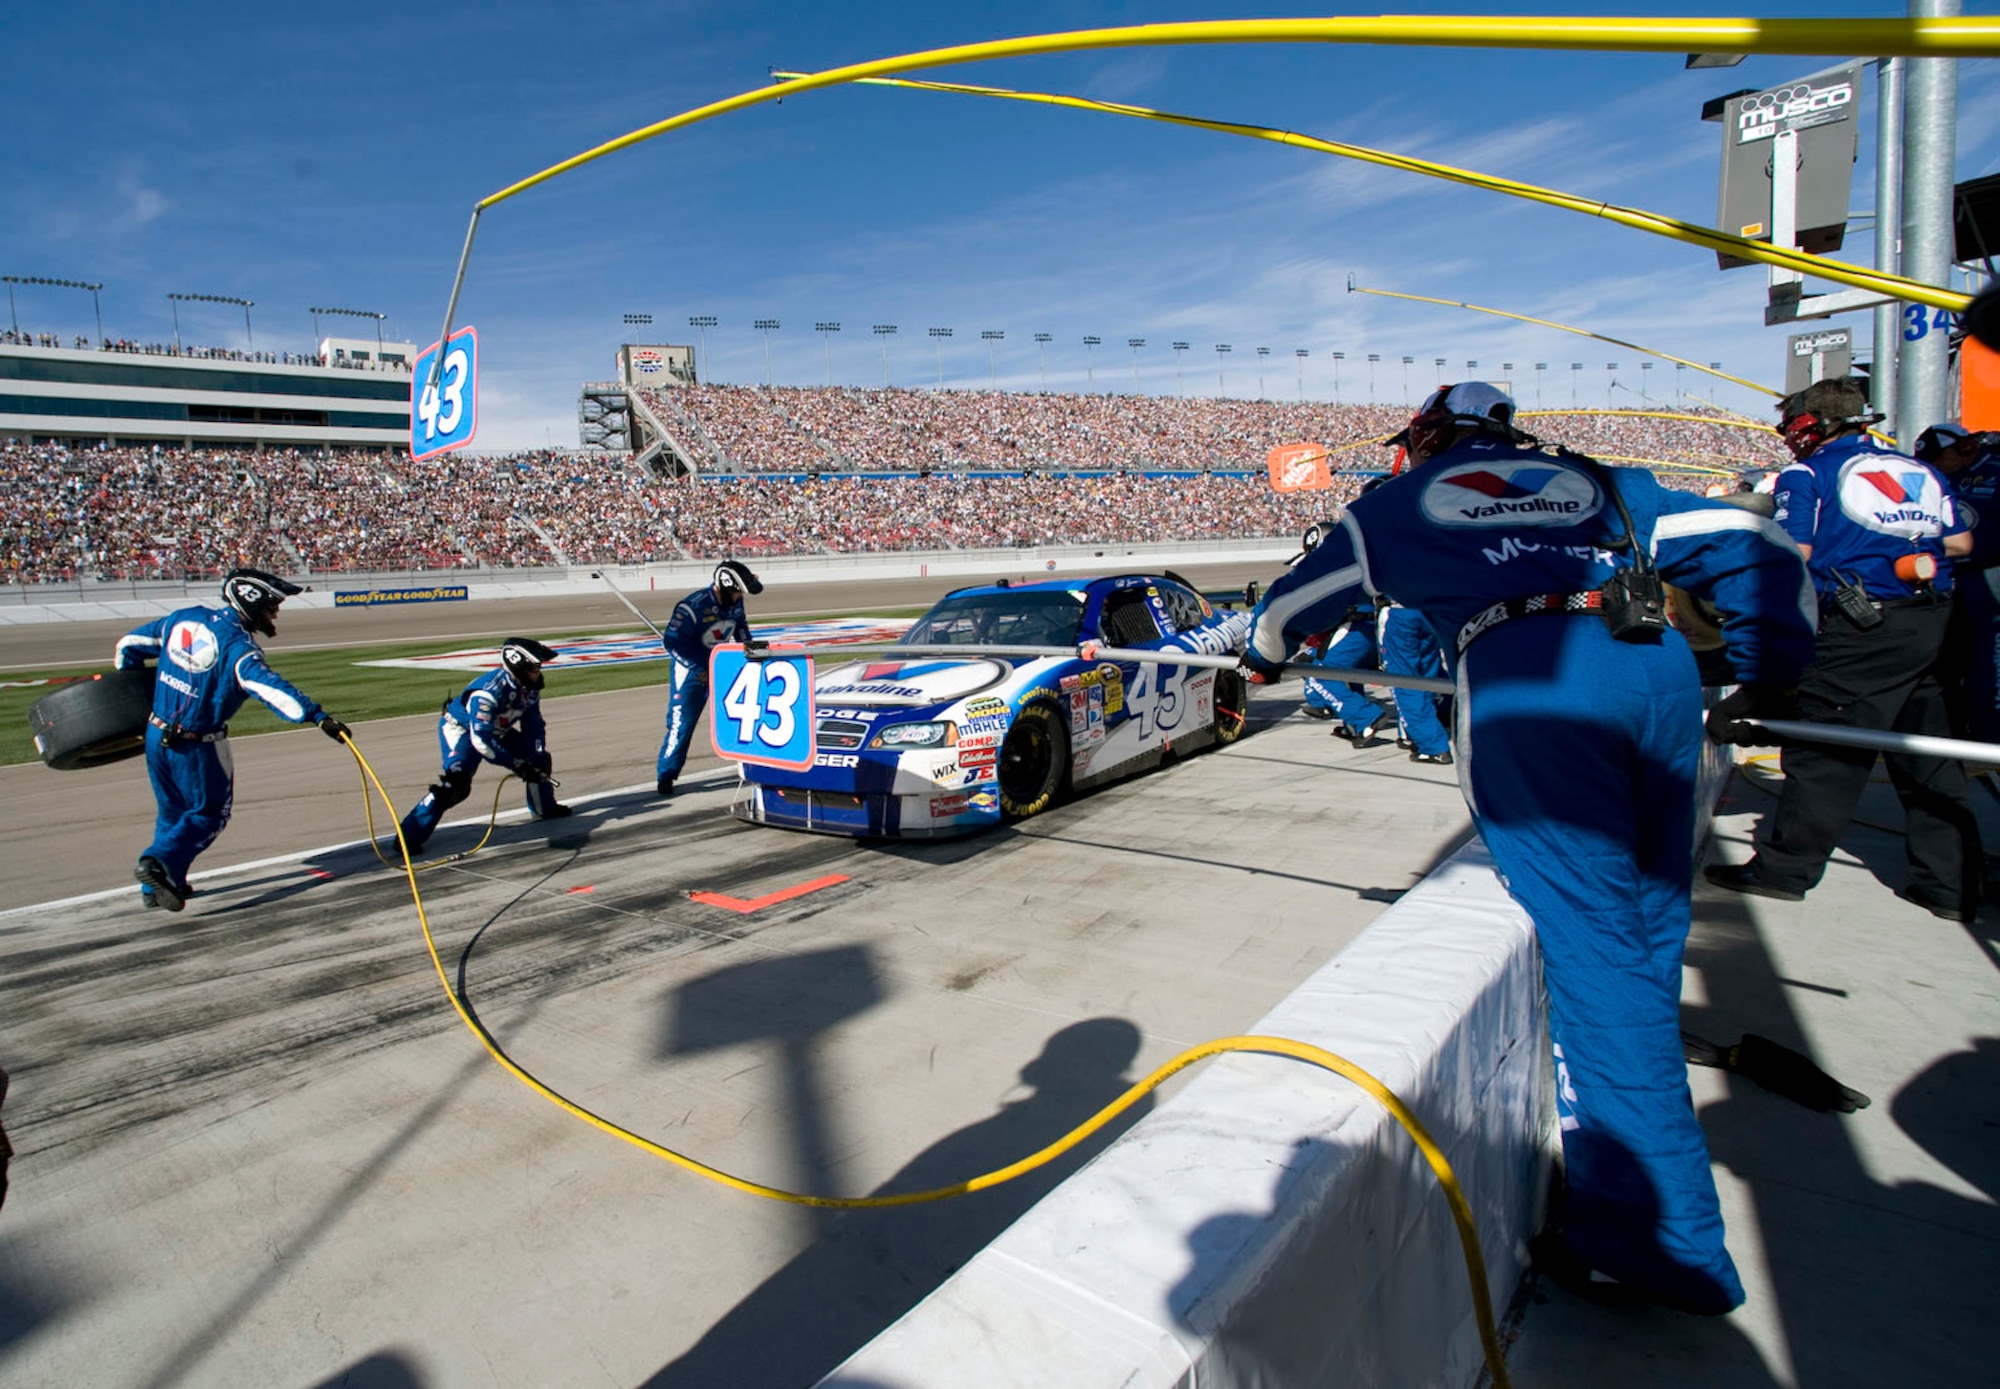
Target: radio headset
(1635,598)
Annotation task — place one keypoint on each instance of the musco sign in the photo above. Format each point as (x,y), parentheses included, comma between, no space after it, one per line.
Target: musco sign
(1820,110)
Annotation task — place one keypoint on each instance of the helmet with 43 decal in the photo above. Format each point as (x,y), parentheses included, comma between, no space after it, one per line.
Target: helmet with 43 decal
(524,658)
(732,577)
(256,597)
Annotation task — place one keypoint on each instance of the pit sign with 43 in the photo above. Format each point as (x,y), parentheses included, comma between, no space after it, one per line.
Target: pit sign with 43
(764,710)
(444,414)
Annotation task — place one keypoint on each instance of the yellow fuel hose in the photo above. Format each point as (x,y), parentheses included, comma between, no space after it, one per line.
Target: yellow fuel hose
(368,807)
(1461,1211)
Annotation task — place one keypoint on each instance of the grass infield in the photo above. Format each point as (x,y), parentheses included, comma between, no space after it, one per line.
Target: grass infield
(353,692)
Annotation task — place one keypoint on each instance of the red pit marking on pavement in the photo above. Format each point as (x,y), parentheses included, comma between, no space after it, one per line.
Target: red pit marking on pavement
(769,899)
(319,873)
(588,887)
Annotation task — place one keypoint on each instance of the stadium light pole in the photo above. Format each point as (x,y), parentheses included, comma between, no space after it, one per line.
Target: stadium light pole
(1180,382)
(1373,358)
(1574,368)
(826,332)
(1135,344)
(367,313)
(1090,341)
(1610,380)
(989,336)
(1338,358)
(765,326)
(1302,353)
(1438,362)
(1471,370)
(95,309)
(1644,397)
(1407,361)
(1042,341)
(701,323)
(938,335)
(1262,354)
(1222,350)
(1712,366)
(883,332)
(245,304)
(1540,367)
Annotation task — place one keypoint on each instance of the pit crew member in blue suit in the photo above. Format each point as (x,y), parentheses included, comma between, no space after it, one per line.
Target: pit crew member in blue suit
(1879,530)
(1351,646)
(209,663)
(704,619)
(1578,748)
(498,719)
(1971,465)
(1410,647)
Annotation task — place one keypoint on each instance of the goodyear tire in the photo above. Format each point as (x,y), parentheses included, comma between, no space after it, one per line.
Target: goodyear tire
(94,721)
(1034,763)
(1232,705)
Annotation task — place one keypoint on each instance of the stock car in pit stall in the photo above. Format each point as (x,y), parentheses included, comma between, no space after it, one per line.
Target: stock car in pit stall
(925,747)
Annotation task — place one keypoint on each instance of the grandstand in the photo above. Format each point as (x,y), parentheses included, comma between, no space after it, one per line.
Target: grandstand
(790,471)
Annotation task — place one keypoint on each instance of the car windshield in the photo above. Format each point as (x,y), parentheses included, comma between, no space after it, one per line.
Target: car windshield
(1030,617)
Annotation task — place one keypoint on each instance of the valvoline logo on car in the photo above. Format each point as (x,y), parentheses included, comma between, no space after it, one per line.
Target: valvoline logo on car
(1521,492)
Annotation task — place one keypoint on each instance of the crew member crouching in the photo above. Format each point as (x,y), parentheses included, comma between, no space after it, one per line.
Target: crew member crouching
(498,719)
(1579,732)
(703,620)
(209,664)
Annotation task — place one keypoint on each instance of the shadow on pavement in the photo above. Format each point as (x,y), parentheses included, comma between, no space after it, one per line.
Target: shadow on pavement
(385,1369)
(867,1268)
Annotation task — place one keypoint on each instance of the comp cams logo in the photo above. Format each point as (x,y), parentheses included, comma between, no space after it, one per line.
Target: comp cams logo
(1524,493)
(1889,500)
(1798,107)
(192,647)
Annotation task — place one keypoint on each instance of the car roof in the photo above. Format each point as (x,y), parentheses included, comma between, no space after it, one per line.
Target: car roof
(1101,581)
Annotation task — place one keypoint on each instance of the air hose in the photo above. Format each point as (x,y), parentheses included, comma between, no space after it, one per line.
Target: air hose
(1461,1212)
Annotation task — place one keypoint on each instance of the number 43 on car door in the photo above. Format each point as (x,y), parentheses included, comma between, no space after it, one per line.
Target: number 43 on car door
(444,413)
(764,708)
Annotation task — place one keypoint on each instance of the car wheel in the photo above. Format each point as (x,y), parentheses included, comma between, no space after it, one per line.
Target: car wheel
(1232,705)
(1034,763)
(94,721)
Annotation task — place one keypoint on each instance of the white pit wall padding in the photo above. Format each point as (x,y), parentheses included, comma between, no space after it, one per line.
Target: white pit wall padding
(1271,1225)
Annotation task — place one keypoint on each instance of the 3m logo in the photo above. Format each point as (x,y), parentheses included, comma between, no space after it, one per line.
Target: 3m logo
(1528,482)
(1897,487)
(1524,493)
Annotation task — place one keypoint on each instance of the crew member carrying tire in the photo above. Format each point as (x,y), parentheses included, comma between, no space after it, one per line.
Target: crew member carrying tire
(209,663)
(498,719)
(1579,727)
(704,619)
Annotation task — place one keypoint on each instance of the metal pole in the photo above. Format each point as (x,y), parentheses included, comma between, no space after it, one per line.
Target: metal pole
(98,311)
(451,304)
(1923,386)
(11,316)
(1889,75)
(174,304)
(251,338)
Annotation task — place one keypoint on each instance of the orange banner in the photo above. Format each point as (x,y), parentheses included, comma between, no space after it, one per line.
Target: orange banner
(1298,468)
(1979,385)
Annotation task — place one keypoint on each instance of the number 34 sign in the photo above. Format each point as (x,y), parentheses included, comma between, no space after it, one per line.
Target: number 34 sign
(444,414)
(764,708)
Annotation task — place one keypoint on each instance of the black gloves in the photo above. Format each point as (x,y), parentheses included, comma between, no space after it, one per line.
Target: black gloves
(1725,721)
(530,773)
(333,728)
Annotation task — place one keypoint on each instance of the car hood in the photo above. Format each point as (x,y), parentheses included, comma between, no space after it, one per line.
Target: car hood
(907,684)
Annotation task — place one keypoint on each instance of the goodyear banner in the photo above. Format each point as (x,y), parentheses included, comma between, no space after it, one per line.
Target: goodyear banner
(374,597)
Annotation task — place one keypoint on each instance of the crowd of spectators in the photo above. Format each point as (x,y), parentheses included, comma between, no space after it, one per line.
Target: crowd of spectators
(17,338)
(1075,471)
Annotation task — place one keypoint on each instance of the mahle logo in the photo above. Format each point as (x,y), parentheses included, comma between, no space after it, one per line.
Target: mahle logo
(1523,493)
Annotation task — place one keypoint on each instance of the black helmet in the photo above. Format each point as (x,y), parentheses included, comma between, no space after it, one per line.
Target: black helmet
(524,658)
(256,596)
(732,574)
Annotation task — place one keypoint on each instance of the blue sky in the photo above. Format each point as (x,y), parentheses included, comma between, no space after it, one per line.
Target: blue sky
(331,155)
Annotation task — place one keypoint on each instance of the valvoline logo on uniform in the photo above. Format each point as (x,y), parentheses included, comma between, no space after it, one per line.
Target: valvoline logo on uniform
(1889,500)
(192,647)
(1510,492)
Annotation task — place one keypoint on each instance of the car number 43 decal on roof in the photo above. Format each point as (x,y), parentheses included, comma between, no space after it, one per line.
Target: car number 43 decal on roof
(764,711)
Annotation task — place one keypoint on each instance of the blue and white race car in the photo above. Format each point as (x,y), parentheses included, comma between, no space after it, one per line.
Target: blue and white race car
(922,746)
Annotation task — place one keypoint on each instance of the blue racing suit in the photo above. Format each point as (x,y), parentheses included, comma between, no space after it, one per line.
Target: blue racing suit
(209,664)
(1578,754)
(1351,647)
(1975,636)
(494,719)
(1410,647)
(699,623)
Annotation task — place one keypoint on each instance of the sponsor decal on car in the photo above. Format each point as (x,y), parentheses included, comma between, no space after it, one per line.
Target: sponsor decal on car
(943,807)
(837,759)
(1106,677)
(977,757)
(985,708)
(983,800)
(992,726)
(881,688)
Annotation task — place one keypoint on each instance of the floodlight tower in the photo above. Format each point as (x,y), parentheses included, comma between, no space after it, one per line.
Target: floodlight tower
(1302,353)
(1610,380)
(1262,354)
(1540,367)
(1373,358)
(989,336)
(938,335)
(1438,362)
(766,326)
(1090,340)
(1042,341)
(1180,382)
(1406,378)
(883,332)
(826,332)
(701,323)
(1574,368)
(1644,397)
(1338,358)
(369,313)
(1712,366)
(13,280)
(1135,344)
(245,304)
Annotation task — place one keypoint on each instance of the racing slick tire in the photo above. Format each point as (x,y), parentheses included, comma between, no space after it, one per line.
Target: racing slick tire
(1034,763)
(1232,706)
(94,721)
